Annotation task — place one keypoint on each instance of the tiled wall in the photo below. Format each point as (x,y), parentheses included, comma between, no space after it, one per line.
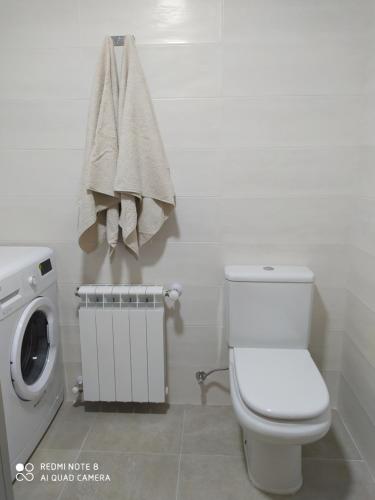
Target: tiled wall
(260,109)
(357,385)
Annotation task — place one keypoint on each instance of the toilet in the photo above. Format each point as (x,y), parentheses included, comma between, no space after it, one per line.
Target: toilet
(279,397)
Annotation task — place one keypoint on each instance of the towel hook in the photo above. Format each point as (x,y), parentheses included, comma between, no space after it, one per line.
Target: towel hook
(119,40)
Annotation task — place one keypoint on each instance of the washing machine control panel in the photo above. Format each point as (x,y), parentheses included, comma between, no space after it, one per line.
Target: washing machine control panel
(32,280)
(45,267)
(25,285)
(40,275)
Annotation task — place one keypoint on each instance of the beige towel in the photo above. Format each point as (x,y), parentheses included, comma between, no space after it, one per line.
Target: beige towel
(126,173)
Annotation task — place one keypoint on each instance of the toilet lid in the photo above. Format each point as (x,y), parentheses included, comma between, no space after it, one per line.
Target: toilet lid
(280,383)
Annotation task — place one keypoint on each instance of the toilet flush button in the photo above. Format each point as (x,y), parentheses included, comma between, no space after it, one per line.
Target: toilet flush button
(32,280)
(268,268)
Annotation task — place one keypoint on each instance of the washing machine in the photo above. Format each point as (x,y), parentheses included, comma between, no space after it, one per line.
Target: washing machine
(31,372)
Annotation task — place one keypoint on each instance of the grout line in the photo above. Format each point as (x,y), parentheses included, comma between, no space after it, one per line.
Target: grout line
(224,455)
(362,409)
(78,454)
(79,22)
(220,46)
(211,197)
(354,441)
(325,459)
(321,147)
(131,453)
(197,98)
(350,434)
(180,456)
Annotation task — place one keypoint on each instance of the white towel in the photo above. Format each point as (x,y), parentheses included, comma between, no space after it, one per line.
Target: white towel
(126,173)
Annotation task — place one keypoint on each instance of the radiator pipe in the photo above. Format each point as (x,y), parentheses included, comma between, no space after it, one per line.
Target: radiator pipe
(201,375)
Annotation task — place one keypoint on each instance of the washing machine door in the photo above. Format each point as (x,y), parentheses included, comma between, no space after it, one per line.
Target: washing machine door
(34,349)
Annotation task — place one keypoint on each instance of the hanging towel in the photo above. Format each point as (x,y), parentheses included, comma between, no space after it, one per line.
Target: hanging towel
(126,179)
(100,163)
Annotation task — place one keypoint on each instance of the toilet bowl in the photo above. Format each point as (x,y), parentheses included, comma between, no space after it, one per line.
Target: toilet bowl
(278,394)
(281,403)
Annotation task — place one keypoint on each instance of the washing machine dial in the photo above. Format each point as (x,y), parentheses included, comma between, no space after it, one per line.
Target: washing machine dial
(32,280)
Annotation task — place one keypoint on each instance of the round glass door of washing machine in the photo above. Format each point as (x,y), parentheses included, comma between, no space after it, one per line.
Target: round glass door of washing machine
(34,349)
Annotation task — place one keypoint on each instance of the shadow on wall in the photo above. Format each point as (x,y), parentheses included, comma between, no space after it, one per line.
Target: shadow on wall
(319,323)
(124,266)
(173,312)
(206,387)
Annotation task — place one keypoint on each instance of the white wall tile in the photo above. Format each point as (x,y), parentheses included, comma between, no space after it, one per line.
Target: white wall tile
(195,172)
(42,124)
(189,123)
(36,172)
(363,224)
(188,263)
(284,220)
(360,326)
(357,387)
(39,23)
(332,379)
(294,66)
(182,346)
(285,161)
(183,387)
(37,219)
(247,19)
(47,73)
(72,371)
(182,224)
(197,306)
(369,119)
(167,21)
(179,70)
(329,306)
(68,302)
(370,61)
(360,375)
(361,276)
(70,344)
(327,352)
(288,172)
(366,173)
(292,121)
(358,422)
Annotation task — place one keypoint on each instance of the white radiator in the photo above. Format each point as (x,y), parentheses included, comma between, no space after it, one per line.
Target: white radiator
(122,343)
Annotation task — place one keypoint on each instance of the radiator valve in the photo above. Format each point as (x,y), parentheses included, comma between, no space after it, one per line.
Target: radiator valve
(77,388)
(174,292)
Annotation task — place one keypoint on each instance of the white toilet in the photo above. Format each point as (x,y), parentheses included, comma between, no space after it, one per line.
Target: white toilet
(278,394)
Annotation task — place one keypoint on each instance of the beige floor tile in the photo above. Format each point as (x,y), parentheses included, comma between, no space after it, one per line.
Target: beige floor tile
(43,490)
(211,430)
(206,477)
(133,477)
(337,443)
(140,453)
(68,411)
(335,480)
(137,432)
(65,435)
(213,477)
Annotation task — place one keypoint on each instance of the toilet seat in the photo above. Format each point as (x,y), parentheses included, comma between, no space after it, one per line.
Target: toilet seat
(276,431)
(280,383)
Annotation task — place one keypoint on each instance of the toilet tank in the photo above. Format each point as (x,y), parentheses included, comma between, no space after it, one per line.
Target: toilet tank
(268,306)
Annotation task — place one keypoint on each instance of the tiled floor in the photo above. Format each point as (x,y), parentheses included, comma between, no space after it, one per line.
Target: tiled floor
(188,453)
